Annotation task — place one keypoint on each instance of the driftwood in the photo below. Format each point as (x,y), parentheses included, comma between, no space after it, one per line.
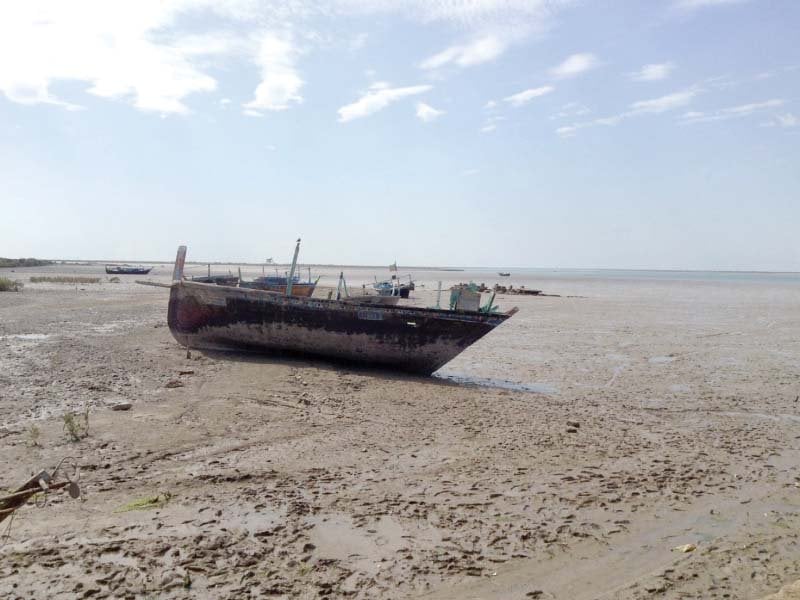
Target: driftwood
(42,482)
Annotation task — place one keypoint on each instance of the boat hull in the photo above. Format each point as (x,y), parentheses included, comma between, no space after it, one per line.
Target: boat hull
(128,270)
(418,340)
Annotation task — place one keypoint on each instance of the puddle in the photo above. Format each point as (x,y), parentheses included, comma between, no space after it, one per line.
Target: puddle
(28,337)
(336,536)
(660,360)
(536,388)
(113,326)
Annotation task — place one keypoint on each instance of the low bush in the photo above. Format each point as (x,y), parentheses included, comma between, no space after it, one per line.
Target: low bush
(9,285)
(61,279)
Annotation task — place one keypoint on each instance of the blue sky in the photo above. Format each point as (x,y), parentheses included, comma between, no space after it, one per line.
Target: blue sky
(540,133)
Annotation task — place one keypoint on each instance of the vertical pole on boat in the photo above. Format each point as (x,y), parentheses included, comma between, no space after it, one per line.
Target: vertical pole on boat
(180,260)
(209,270)
(294,266)
(239,281)
(439,295)
(339,286)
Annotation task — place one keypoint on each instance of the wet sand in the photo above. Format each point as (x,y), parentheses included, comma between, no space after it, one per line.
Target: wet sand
(608,427)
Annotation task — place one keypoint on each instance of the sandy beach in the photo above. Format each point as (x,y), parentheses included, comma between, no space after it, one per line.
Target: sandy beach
(573,453)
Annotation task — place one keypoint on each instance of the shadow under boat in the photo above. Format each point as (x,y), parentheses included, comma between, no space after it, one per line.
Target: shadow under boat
(420,340)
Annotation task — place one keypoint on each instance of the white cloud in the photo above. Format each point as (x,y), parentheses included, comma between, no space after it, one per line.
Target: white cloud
(664,103)
(571,109)
(141,53)
(472,14)
(654,72)
(358,42)
(636,109)
(733,112)
(480,50)
(490,105)
(280,83)
(575,65)
(788,120)
(491,123)
(567,130)
(376,99)
(695,4)
(427,113)
(526,96)
(111,46)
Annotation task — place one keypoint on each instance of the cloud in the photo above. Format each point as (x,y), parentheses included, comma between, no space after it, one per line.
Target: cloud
(427,113)
(480,50)
(788,120)
(491,124)
(470,14)
(141,53)
(358,42)
(526,96)
(376,99)
(280,83)
(642,107)
(571,109)
(654,72)
(575,65)
(689,5)
(733,112)
(664,103)
(111,46)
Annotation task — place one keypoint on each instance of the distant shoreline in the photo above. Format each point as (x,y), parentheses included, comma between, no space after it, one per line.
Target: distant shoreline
(422,268)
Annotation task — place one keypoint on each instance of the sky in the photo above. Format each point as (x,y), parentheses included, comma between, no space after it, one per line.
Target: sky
(648,134)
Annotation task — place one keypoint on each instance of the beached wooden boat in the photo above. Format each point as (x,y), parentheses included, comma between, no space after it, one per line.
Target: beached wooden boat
(420,340)
(127,270)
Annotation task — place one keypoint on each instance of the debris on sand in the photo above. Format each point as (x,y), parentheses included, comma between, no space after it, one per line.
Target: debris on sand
(42,483)
(121,406)
(173,383)
(157,501)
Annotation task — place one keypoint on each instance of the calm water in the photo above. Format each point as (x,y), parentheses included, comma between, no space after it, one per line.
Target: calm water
(623,274)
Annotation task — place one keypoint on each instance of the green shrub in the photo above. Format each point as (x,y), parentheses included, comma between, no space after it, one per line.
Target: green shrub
(75,427)
(61,279)
(23,262)
(9,285)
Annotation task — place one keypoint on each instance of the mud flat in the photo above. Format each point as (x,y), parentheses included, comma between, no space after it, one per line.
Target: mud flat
(566,455)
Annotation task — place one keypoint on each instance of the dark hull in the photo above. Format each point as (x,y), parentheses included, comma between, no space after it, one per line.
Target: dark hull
(419,340)
(128,270)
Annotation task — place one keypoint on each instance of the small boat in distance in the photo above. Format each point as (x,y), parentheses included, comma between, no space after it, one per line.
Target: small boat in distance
(504,274)
(419,340)
(127,270)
